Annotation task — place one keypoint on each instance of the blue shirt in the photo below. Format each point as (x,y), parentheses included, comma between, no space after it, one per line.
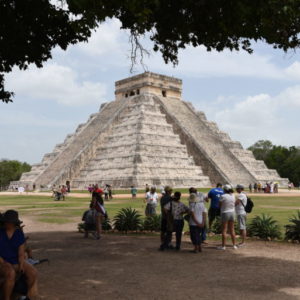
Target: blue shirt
(215,195)
(9,248)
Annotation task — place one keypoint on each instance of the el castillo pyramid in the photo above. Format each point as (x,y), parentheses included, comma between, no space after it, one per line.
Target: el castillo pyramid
(148,134)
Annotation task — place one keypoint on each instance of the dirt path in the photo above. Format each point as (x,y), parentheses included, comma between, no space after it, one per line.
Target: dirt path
(130,267)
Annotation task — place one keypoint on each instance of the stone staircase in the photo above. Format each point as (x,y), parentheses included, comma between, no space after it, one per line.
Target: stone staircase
(221,158)
(141,148)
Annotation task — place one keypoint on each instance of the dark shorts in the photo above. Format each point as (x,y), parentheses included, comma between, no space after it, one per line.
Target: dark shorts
(213,213)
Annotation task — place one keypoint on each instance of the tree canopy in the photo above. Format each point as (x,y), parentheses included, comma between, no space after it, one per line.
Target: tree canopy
(30,29)
(11,170)
(286,160)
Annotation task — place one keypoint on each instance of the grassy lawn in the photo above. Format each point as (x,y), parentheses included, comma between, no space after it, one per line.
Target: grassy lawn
(44,209)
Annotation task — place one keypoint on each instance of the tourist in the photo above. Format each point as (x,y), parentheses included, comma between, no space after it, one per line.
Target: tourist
(97,190)
(63,191)
(12,256)
(106,192)
(151,200)
(89,218)
(98,205)
(177,209)
(227,206)
(68,185)
(214,210)
(110,192)
(165,234)
(90,188)
(147,189)
(250,187)
(133,192)
(196,221)
(255,186)
(201,198)
(240,205)
(276,187)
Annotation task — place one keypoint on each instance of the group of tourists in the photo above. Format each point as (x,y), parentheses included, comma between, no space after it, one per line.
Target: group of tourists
(59,192)
(268,187)
(224,204)
(107,190)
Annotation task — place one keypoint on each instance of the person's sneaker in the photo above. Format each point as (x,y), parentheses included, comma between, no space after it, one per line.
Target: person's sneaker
(221,248)
(241,245)
(96,237)
(235,247)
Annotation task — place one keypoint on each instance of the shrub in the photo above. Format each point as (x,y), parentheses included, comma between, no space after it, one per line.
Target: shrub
(152,223)
(292,231)
(216,227)
(106,225)
(80,227)
(128,219)
(264,227)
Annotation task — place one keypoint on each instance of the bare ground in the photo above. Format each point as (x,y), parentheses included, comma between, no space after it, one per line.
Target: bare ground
(130,267)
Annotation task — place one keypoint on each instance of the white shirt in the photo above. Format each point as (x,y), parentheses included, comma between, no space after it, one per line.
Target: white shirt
(201,197)
(240,209)
(228,203)
(198,209)
(152,198)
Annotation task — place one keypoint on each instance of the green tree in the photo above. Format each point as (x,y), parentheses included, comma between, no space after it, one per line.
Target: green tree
(11,170)
(261,149)
(285,160)
(30,29)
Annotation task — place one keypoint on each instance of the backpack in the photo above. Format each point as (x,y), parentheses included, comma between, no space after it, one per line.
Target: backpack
(249,206)
(89,217)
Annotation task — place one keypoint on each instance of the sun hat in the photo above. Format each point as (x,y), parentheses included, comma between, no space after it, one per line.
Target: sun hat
(11,216)
(227,187)
(193,198)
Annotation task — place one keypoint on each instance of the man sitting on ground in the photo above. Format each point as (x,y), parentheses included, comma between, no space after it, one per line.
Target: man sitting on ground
(12,256)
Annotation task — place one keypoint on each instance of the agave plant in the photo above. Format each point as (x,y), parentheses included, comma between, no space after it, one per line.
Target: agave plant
(152,223)
(264,227)
(292,230)
(106,225)
(128,219)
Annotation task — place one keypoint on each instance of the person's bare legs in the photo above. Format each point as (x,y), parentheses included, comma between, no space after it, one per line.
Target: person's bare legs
(10,276)
(98,226)
(31,278)
(224,233)
(243,236)
(232,232)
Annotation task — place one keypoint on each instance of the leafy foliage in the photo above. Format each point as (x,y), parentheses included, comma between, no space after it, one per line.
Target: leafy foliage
(264,227)
(285,160)
(152,223)
(293,229)
(11,170)
(128,219)
(217,226)
(35,27)
(106,225)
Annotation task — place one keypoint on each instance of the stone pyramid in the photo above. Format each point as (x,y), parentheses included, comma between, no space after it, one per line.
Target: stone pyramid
(148,134)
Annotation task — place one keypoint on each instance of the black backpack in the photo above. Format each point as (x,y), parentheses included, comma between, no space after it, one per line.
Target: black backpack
(249,206)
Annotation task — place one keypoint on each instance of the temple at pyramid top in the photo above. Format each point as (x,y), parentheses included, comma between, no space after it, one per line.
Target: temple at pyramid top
(148,135)
(149,82)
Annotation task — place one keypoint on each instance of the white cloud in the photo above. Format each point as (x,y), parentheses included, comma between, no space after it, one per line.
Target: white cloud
(55,82)
(261,117)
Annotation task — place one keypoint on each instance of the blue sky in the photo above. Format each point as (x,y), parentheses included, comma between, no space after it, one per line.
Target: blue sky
(251,97)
